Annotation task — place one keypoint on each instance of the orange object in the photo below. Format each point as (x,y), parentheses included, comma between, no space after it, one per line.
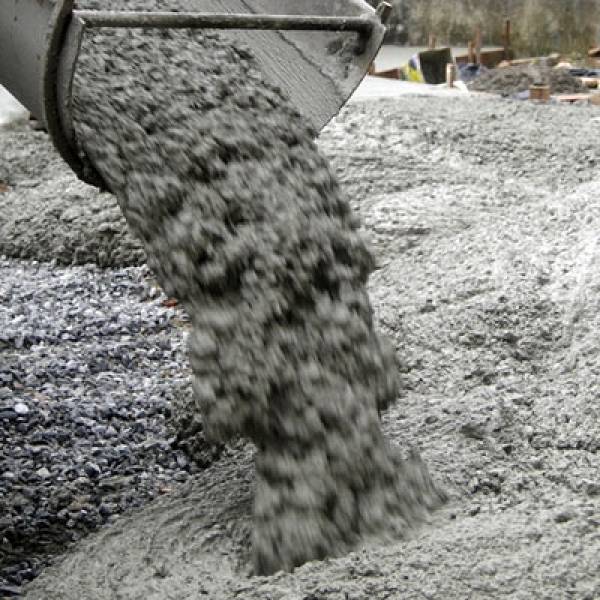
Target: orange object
(389,73)
(539,92)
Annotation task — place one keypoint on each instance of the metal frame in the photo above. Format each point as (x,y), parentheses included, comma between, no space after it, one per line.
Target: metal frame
(69,27)
(183,20)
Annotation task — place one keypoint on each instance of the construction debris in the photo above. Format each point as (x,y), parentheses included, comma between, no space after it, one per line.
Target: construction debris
(551,60)
(539,92)
(572,98)
(513,80)
(488,58)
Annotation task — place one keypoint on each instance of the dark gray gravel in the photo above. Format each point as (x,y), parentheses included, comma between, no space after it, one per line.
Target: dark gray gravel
(91,363)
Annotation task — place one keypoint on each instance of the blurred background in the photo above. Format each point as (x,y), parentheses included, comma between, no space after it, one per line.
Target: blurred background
(538,26)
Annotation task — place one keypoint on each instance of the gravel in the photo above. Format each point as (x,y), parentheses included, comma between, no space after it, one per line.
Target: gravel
(91,366)
(483,216)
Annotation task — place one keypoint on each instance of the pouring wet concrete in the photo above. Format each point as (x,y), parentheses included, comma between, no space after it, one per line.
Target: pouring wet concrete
(243,222)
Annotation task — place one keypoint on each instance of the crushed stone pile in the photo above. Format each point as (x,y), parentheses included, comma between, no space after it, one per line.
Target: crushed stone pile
(509,81)
(90,367)
(243,222)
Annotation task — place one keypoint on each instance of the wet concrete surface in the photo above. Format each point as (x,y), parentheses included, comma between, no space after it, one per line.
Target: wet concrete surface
(483,217)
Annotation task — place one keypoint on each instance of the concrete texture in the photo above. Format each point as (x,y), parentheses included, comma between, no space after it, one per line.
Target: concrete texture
(483,218)
(483,215)
(243,222)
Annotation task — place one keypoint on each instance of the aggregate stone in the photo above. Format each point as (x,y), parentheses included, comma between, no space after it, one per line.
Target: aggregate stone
(82,401)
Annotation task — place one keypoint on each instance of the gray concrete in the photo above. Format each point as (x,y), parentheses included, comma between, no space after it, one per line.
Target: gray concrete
(483,216)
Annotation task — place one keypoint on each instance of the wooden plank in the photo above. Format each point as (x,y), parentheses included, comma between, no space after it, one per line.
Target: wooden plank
(471,53)
(489,58)
(551,60)
(450,75)
(388,74)
(571,98)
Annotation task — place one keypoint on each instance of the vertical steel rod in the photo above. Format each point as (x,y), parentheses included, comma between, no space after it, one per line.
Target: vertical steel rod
(174,20)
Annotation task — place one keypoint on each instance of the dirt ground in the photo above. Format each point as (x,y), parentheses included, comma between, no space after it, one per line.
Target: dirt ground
(484,216)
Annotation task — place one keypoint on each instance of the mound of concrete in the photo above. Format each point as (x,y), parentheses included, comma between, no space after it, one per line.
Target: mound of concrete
(509,81)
